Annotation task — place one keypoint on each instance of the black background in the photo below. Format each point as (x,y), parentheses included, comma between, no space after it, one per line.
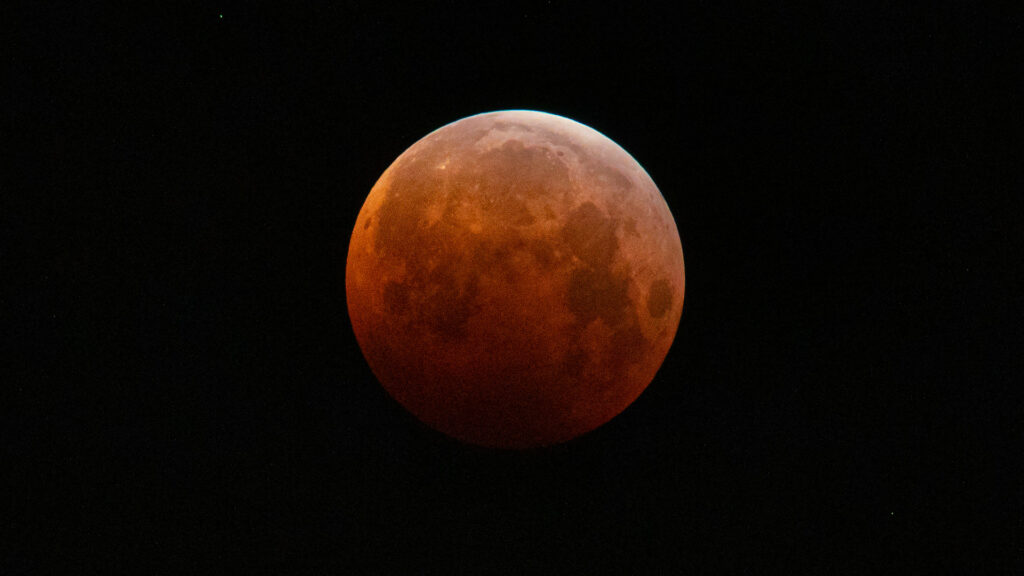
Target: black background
(186,394)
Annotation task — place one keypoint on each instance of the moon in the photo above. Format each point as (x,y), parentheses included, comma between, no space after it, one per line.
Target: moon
(515,279)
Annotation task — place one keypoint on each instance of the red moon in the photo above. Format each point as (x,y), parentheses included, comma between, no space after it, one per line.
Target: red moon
(515,279)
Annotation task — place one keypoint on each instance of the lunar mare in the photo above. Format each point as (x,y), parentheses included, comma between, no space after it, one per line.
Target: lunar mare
(515,279)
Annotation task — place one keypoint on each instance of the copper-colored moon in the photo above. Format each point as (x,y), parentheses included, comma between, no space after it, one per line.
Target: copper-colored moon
(515,279)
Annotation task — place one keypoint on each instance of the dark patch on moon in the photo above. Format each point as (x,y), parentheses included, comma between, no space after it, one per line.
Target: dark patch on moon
(630,227)
(597,293)
(659,298)
(575,362)
(591,235)
(543,253)
(449,304)
(396,298)
(628,344)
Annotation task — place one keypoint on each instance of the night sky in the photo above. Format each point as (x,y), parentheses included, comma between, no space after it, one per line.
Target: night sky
(186,395)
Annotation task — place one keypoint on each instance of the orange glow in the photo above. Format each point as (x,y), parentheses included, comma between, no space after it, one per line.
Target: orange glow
(515,279)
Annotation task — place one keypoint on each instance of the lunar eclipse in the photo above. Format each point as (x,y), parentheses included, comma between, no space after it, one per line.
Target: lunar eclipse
(515,279)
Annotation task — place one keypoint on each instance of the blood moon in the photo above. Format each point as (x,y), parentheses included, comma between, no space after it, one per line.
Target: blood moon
(515,279)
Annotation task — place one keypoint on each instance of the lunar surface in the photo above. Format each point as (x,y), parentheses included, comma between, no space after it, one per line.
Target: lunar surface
(515,279)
